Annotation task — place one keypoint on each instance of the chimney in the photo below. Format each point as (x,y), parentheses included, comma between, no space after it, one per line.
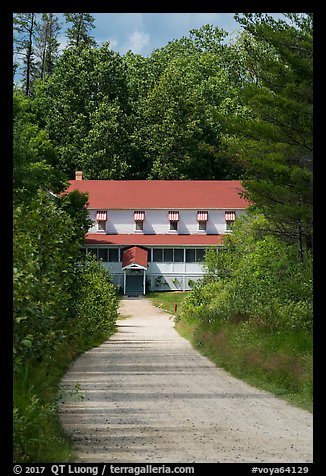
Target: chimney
(78,175)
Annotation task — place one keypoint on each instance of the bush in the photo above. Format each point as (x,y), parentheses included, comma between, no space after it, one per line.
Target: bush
(60,309)
(97,304)
(255,277)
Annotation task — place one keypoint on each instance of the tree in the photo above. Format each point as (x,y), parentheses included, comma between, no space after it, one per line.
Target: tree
(46,43)
(181,86)
(34,154)
(272,133)
(78,34)
(87,118)
(177,123)
(24,26)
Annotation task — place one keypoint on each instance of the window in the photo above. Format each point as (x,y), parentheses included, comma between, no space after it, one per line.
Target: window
(158,255)
(113,255)
(202,225)
(102,254)
(174,218)
(202,217)
(178,255)
(190,255)
(101,225)
(200,253)
(229,219)
(139,217)
(168,256)
(101,218)
(173,226)
(229,225)
(195,255)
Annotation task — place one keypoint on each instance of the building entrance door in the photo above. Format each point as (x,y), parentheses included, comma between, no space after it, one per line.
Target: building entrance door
(135,283)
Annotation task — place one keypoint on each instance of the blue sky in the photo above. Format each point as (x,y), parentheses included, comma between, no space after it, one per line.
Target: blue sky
(143,32)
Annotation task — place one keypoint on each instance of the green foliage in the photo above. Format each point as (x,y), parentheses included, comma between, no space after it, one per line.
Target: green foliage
(33,153)
(61,307)
(272,133)
(41,258)
(78,33)
(253,312)
(87,119)
(256,277)
(97,305)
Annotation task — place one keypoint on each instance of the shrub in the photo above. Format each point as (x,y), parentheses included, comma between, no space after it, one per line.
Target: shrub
(97,304)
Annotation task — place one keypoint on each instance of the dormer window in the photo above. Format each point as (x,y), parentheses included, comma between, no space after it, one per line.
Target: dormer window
(202,217)
(173,218)
(139,217)
(229,220)
(101,218)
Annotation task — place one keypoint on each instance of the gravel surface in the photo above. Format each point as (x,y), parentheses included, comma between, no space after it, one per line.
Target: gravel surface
(149,397)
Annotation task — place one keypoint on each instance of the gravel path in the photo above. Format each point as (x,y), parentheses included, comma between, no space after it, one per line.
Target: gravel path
(149,397)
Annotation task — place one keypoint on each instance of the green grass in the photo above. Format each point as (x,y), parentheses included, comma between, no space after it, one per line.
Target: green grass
(166,300)
(279,362)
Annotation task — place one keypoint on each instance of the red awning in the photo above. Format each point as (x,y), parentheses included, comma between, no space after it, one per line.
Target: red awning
(174,216)
(202,216)
(139,216)
(229,216)
(101,216)
(135,255)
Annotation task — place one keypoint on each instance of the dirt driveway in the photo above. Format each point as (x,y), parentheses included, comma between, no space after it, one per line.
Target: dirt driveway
(149,397)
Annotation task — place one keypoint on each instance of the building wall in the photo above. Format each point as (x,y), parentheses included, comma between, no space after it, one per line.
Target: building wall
(157,222)
(160,276)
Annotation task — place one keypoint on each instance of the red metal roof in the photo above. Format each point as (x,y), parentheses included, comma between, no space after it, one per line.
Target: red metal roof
(154,240)
(135,255)
(161,194)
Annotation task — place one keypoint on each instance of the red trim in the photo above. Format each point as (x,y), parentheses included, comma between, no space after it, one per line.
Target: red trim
(154,240)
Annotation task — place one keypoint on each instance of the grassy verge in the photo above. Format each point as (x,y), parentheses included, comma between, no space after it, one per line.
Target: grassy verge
(38,435)
(167,300)
(279,362)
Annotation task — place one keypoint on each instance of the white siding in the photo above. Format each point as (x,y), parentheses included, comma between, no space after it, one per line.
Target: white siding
(157,222)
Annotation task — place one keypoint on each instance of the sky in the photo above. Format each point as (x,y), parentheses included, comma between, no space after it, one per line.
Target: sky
(143,32)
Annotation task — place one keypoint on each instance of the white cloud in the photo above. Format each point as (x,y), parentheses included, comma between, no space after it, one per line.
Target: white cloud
(137,41)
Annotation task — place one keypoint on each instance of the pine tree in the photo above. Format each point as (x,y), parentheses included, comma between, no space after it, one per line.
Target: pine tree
(46,44)
(78,33)
(273,138)
(24,27)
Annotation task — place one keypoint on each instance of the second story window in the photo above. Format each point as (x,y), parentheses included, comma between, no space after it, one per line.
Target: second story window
(139,217)
(202,217)
(229,220)
(101,218)
(174,219)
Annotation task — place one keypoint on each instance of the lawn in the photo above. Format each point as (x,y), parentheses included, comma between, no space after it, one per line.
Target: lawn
(167,300)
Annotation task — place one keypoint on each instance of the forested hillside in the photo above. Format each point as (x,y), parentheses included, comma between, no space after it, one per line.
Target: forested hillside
(202,107)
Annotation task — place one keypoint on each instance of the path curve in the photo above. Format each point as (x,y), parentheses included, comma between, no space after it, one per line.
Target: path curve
(149,397)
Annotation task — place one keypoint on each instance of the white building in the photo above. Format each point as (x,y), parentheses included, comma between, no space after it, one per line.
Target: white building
(152,234)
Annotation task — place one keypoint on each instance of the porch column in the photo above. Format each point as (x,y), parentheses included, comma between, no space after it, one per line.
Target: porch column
(124,281)
(144,281)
